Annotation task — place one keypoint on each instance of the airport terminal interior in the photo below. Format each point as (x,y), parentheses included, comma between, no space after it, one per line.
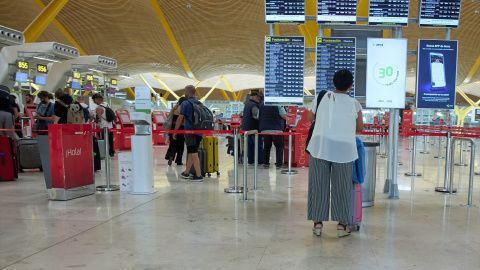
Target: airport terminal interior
(416,68)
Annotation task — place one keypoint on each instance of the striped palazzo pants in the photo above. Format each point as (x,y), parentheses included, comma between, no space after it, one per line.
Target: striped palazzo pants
(320,174)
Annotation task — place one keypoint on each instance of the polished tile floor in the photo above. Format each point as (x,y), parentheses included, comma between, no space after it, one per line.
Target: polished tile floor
(198,226)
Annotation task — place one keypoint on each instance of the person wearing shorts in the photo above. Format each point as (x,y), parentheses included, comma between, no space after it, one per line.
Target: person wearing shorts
(191,140)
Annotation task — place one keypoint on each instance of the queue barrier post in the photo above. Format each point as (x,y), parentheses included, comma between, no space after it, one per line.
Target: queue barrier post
(409,148)
(235,188)
(255,175)
(289,171)
(472,164)
(245,164)
(107,187)
(424,146)
(461,164)
(448,158)
(439,155)
(414,156)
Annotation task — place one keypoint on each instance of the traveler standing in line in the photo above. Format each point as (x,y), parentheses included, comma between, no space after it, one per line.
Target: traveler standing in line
(6,116)
(81,101)
(176,146)
(333,150)
(272,119)
(61,107)
(28,101)
(250,122)
(16,115)
(101,119)
(45,112)
(191,140)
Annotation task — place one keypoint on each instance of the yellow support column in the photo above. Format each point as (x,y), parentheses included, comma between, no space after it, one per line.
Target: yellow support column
(36,28)
(196,90)
(225,96)
(166,95)
(63,30)
(130,93)
(165,86)
(462,114)
(211,90)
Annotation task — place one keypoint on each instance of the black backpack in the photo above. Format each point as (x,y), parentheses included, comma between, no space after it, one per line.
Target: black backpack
(109,114)
(202,117)
(86,113)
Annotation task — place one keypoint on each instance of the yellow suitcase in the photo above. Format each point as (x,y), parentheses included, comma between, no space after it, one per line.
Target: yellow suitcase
(210,144)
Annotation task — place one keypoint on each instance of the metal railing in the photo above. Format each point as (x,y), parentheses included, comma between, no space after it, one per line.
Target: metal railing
(472,164)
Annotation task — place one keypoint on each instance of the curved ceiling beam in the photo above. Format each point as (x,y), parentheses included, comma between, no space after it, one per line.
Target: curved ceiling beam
(36,28)
(172,38)
(63,30)
(165,86)
(472,72)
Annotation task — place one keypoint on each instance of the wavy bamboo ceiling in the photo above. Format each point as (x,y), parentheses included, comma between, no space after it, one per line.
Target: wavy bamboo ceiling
(216,37)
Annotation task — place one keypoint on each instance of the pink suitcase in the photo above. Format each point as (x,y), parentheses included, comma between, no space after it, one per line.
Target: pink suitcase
(356,207)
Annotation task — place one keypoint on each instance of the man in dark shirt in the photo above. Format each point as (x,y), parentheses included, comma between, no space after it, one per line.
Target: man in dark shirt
(191,140)
(250,122)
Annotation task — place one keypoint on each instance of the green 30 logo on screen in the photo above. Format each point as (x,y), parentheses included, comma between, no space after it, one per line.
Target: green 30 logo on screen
(384,74)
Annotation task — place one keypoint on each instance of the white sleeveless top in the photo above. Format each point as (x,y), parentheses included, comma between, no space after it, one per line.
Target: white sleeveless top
(333,138)
(103,119)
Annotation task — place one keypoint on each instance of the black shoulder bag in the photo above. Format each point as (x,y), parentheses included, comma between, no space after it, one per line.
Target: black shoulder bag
(310,131)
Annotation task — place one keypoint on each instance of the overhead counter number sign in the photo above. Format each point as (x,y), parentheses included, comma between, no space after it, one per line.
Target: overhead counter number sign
(22,65)
(89,77)
(77,75)
(42,68)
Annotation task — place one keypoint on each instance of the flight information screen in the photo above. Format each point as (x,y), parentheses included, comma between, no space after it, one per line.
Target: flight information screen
(284,65)
(333,54)
(388,12)
(285,11)
(337,12)
(439,13)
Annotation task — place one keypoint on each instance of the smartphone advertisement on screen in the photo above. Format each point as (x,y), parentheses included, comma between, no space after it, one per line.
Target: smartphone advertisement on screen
(436,74)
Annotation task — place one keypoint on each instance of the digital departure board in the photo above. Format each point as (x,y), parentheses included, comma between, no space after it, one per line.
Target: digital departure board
(333,54)
(284,70)
(439,13)
(388,12)
(285,11)
(337,12)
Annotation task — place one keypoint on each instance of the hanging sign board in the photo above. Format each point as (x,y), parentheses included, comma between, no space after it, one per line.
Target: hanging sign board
(284,65)
(439,13)
(436,74)
(285,11)
(388,12)
(333,54)
(337,12)
(386,73)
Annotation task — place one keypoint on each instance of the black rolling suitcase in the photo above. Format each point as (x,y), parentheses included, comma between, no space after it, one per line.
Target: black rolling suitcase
(28,154)
(202,155)
(97,165)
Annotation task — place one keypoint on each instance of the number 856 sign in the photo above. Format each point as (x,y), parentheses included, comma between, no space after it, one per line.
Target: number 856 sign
(386,72)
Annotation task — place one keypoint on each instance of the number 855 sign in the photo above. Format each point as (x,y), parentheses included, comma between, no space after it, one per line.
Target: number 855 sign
(386,73)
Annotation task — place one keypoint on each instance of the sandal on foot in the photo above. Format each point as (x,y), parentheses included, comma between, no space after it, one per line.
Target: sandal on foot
(317,228)
(344,231)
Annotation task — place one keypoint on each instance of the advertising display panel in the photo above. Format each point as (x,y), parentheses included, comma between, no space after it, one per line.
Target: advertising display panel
(143,101)
(333,54)
(285,11)
(436,74)
(337,12)
(388,12)
(284,70)
(386,73)
(439,13)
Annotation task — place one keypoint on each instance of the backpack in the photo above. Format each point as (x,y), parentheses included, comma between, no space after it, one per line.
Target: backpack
(202,117)
(75,114)
(86,113)
(109,114)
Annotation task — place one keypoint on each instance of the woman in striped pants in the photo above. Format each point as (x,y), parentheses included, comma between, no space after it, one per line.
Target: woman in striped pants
(332,149)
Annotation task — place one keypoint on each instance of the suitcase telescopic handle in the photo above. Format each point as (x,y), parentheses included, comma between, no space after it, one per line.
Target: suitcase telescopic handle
(2,154)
